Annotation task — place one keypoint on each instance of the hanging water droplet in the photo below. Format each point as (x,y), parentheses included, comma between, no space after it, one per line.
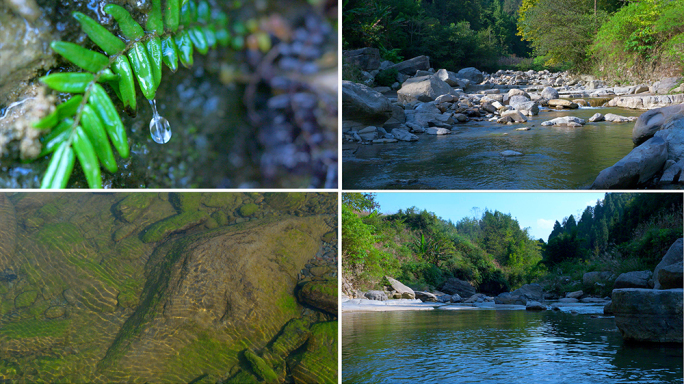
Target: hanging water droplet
(160,129)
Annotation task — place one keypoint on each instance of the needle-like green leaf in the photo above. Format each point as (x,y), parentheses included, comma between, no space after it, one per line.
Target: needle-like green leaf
(56,137)
(129,28)
(172,15)
(126,83)
(154,49)
(60,167)
(99,35)
(64,110)
(85,58)
(68,81)
(97,135)
(142,67)
(102,104)
(198,40)
(170,53)
(88,159)
(184,45)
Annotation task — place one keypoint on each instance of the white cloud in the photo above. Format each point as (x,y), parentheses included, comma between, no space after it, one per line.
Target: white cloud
(544,224)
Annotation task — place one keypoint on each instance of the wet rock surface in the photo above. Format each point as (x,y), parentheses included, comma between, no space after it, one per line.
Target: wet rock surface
(194,304)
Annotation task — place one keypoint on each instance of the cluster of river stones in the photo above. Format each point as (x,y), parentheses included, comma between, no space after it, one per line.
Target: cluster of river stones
(435,102)
(647,305)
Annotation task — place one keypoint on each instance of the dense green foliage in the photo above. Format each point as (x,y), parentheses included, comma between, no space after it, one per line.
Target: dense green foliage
(454,33)
(423,250)
(639,37)
(622,40)
(622,233)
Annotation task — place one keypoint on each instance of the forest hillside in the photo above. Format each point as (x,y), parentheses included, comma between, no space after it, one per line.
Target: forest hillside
(621,233)
(614,39)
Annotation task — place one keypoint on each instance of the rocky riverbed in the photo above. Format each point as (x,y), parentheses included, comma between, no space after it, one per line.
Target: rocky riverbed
(423,102)
(219,293)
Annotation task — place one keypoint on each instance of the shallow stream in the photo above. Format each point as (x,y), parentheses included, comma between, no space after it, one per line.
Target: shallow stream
(469,157)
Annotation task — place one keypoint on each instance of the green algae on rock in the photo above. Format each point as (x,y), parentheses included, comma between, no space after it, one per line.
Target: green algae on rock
(186,201)
(131,207)
(248,209)
(320,294)
(317,363)
(181,308)
(261,368)
(172,224)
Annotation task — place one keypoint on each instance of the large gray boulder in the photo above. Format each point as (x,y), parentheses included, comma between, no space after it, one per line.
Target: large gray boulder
(654,120)
(403,135)
(411,66)
(403,290)
(646,102)
(426,297)
(535,306)
(506,298)
(530,292)
(397,119)
(363,106)
(549,93)
(452,79)
(672,256)
(424,88)
(376,295)
(673,134)
(366,59)
(635,279)
(461,287)
(564,121)
(649,315)
(528,108)
(637,167)
(472,74)
(664,86)
(671,276)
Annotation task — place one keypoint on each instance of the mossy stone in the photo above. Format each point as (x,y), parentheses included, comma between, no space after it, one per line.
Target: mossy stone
(242,377)
(321,294)
(318,364)
(55,312)
(294,335)
(25,299)
(282,201)
(329,237)
(248,209)
(261,368)
(124,232)
(211,223)
(172,224)
(133,205)
(220,218)
(221,199)
(185,201)
(33,222)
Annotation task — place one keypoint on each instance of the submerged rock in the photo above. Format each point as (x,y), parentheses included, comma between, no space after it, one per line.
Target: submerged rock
(321,294)
(318,363)
(180,222)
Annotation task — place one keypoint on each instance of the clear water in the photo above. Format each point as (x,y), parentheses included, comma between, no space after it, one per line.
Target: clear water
(160,129)
(488,346)
(469,158)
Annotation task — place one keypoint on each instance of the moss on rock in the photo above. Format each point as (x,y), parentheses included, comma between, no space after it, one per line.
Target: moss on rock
(133,205)
(321,294)
(318,364)
(25,299)
(330,237)
(172,224)
(261,368)
(283,201)
(294,335)
(221,199)
(248,209)
(220,218)
(185,201)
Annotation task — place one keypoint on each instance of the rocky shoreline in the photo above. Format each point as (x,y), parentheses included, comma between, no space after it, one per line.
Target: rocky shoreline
(435,102)
(647,306)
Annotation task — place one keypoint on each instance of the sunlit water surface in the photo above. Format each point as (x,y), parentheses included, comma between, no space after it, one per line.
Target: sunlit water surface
(488,346)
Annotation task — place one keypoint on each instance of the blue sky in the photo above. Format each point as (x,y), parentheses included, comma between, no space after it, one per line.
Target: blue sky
(536,210)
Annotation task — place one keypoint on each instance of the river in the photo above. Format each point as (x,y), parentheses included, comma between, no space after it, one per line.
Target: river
(498,346)
(469,158)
